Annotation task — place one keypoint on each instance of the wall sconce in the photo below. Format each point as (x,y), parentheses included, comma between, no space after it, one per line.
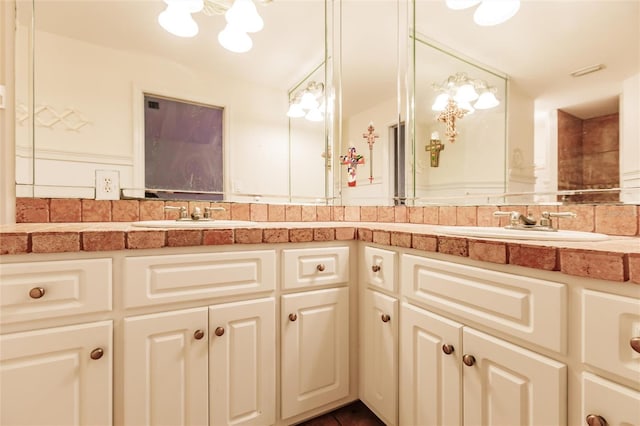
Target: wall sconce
(490,12)
(308,102)
(241,15)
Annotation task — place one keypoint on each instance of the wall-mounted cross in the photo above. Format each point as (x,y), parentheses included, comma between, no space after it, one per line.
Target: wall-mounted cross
(449,116)
(434,148)
(371,137)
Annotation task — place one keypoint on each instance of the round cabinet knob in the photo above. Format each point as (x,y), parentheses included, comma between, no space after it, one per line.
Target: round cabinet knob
(97,353)
(635,344)
(595,420)
(376,268)
(293,317)
(36,292)
(219,331)
(385,318)
(447,349)
(199,334)
(468,360)
(320,267)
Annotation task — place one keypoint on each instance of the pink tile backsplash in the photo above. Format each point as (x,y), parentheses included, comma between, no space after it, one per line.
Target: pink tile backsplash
(125,211)
(65,210)
(293,213)
(617,220)
(447,215)
(96,211)
(32,210)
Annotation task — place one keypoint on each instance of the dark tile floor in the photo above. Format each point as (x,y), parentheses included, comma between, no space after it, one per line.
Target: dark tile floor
(355,414)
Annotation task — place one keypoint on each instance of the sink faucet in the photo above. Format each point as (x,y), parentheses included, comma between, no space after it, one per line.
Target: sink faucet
(545,221)
(182,211)
(517,219)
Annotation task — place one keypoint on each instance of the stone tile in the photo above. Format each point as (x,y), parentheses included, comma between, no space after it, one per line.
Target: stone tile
(259,212)
(151,209)
(55,242)
(32,210)
(344,234)
(352,213)
(301,235)
(293,213)
(96,210)
(184,237)
(415,214)
(592,264)
(485,216)
(275,235)
(538,257)
(424,242)
(14,243)
(309,214)
(174,213)
(447,215)
(368,214)
(338,213)
(466,216)
(401,239)
(494,252)
(145,239)
(584,220)
(386,214)
(454,246)
(634,267)
(276,213)
(382,237)
(324,234)
(617,220)
(431,215)
(400,214)
(248,236)
(365,235)
(125,211)
(240,211)
(323,213)
(217,237)
(103,240)
(65,210)
(222,214)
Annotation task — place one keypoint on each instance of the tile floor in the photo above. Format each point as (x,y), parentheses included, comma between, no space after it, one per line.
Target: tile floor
(355,414)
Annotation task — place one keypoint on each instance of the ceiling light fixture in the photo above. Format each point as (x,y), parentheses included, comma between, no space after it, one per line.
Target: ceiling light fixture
(308,102)
(176,18)
(490,12)
(587,70)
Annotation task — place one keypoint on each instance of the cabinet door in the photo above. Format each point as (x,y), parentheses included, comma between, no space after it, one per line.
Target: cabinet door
(242,363)
(618,405)
(57,376)
(430,376)
(509,385)
(315,349)
(166,368)
(379,355)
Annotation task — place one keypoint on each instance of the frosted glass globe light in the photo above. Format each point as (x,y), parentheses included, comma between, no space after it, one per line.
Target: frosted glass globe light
(234,39)
(314,115)
(295,111)
(467,107)
(178,21)
(309,101)
(466,93)
(494,12)
(441,102)
(486,100)
(243,13)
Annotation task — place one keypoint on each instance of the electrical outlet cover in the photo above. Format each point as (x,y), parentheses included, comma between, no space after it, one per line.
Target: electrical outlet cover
(107,185)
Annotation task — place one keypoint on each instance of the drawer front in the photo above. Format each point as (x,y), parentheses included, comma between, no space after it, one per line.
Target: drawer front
(152,280)
(617,404)
(528,308)
(609,324)
(44,290)
(304,268)
(380,268)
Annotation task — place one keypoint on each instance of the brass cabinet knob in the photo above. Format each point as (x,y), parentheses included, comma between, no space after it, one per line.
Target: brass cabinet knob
(219,331)
(320,267)
(36,292)
(468,359)
(385,318)
(293,317)
(97,353)
(596,420)
(199,334)
(447,349)
(635,344)
(375,268)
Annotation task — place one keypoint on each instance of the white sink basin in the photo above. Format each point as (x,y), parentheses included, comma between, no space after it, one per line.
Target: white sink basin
(520,234)
(194,224)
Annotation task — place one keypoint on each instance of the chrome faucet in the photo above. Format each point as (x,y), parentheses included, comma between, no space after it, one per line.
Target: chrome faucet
(182,211)
(546,223)
(196,214)
(517,219)
(208,210)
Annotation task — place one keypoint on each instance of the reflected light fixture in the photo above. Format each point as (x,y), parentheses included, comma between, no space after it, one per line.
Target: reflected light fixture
(489,12)
(308,102)
(176,18)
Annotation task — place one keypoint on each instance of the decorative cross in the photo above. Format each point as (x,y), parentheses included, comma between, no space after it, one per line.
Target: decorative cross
(351,160)
(434,147)
(371,139)
(449,116)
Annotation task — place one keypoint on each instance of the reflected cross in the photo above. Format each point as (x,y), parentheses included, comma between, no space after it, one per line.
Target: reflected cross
(449,116)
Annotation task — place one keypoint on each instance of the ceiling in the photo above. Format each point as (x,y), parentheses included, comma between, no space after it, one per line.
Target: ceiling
(537,49)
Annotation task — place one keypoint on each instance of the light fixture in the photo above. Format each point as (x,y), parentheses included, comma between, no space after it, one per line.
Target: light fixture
(587,70)
(234,39)
(176,18)
(490,12)
(487,99)
(244,15)
(308,102)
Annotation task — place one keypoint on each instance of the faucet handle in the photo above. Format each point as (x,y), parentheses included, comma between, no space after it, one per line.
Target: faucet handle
(182,209)
(545,221)
(501,213)
(208,210)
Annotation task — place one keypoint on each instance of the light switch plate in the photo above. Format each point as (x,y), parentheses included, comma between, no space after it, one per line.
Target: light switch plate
(107,185)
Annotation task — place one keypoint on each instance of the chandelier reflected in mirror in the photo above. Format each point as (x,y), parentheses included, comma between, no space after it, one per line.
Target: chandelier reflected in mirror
(308,102)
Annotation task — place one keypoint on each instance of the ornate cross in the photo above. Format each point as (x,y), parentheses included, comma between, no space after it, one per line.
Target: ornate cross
(449,116)
(434,147)
(351,160)
(371,139)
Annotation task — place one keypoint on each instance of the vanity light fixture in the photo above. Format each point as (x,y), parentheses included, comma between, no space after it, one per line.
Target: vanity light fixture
(587,70)
(308,102)
(489,12)
(176,18)
(463,90)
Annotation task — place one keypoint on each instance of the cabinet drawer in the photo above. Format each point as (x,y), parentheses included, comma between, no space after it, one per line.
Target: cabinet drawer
(380,268)
(618,404)
(304,268)
(609,324)
(527,308)
(45,290)
(154,280)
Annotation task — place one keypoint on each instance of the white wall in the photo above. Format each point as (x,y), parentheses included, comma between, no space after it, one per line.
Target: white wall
(520,146)
(7,147)
(630,140)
